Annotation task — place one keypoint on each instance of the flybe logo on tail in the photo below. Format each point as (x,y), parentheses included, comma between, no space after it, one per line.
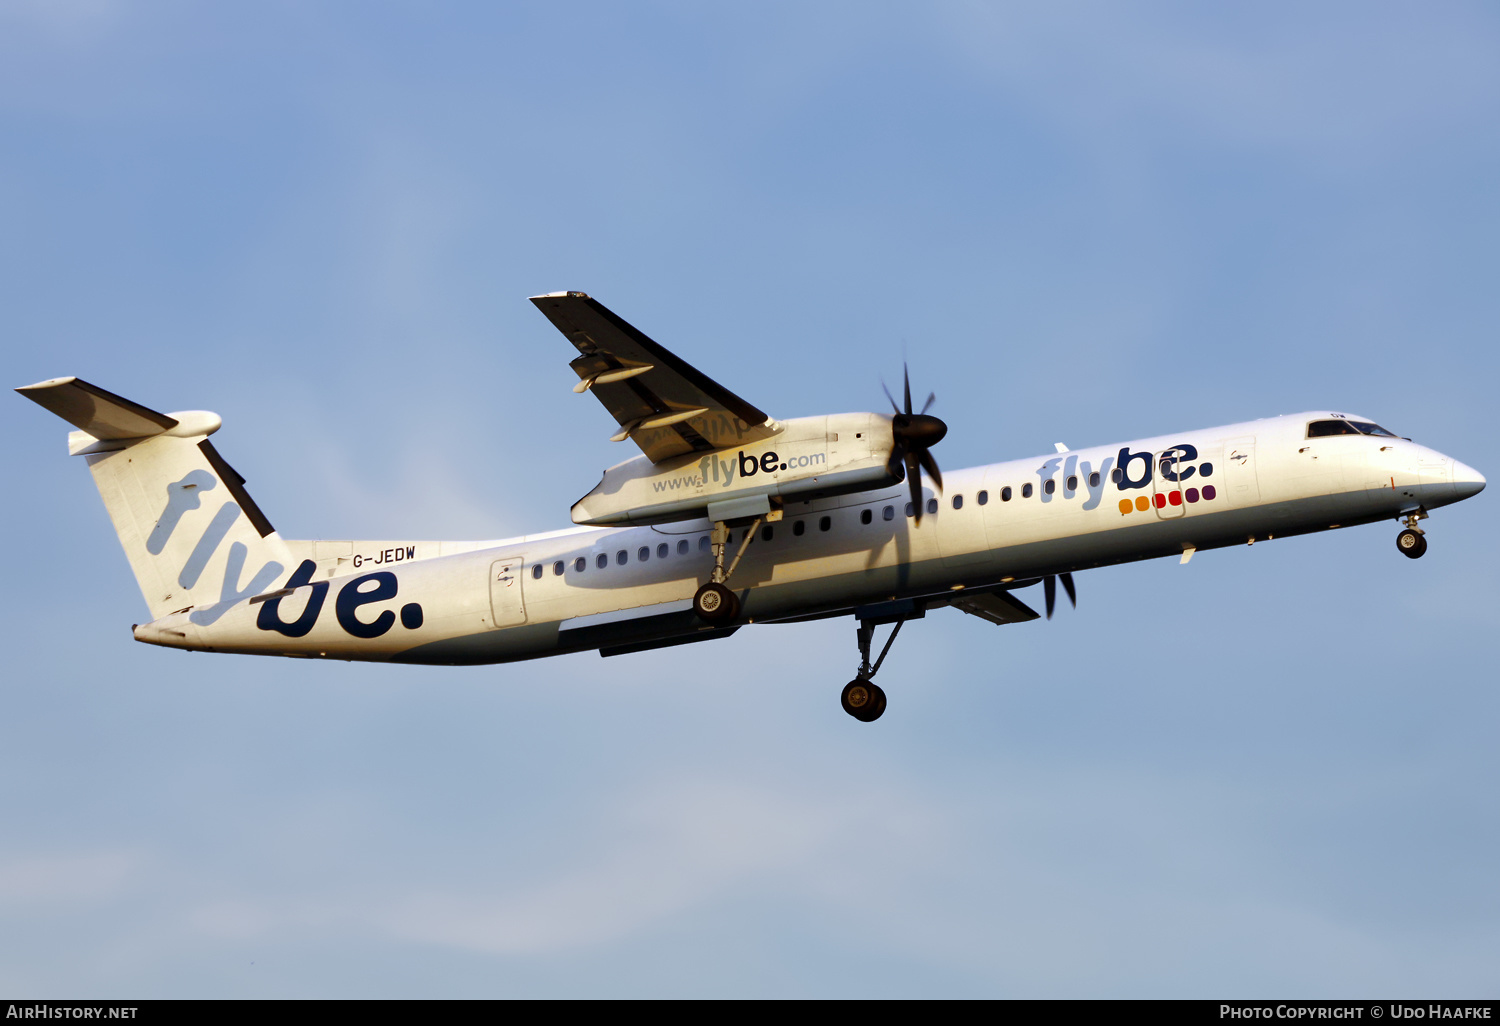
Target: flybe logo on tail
(186,495)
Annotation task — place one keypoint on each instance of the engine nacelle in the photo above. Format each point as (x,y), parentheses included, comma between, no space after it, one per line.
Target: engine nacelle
(807,458)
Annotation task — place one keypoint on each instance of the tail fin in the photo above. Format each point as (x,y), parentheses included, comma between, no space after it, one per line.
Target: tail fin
(193,535)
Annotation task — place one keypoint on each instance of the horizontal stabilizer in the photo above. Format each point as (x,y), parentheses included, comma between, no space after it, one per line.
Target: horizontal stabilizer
(195,539)
(90,408)
(996,607)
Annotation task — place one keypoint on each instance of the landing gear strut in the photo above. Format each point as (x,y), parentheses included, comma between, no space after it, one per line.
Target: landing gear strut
(862,697)
(1412,542)
(714,602)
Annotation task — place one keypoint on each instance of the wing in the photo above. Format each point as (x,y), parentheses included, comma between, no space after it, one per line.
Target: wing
(664,404)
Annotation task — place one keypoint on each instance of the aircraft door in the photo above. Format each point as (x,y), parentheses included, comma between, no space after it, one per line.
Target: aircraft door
(506,604)
(1166,496)
(961,535)
(1241,486)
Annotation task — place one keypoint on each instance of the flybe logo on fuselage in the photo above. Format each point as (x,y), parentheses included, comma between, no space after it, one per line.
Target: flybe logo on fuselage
(361,591)
(1174,466)
(1163,472)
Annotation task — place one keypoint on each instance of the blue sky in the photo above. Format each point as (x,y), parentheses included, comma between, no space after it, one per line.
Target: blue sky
(1270,772)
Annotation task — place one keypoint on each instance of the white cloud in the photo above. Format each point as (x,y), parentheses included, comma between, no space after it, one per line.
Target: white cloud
(54,879)
(669,851)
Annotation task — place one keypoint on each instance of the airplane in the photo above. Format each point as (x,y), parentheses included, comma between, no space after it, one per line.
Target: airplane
(728,517)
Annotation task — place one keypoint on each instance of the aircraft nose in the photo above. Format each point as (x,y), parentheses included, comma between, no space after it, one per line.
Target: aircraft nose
(1466,480)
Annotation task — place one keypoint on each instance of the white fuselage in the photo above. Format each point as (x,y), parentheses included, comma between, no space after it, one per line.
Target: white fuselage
(619,589)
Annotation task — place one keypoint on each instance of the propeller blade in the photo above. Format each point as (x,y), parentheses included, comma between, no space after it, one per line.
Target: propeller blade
(889,396)
(931,398)
(930,465)
(1049,586)
(896,465)
(915,480)
(905,373)
(1067,580)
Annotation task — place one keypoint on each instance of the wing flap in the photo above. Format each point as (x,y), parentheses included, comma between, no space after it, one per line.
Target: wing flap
(996,607)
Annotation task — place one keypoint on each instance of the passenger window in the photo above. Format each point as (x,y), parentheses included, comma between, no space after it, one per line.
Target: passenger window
(766,533)
(1005,494)
(643,553)
(1117,475)
(663,550)
(580,565)
(682,547)
(909,510)
(799,527)
(865,516)
(1094,479)
(889,513)
(536,571)
(703,544)
(1050,486)
(622,557)
(984,497)
(932,505)
(558,568)
(958,502)
(602,561)
(824,523)
(1026,490)
(1073,483)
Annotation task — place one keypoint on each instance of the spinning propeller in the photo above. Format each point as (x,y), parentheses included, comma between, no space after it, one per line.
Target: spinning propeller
(1049,586)
(913,435)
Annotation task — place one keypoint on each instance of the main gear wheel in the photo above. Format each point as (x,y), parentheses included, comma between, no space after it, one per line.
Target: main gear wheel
(863,699)
(716,604)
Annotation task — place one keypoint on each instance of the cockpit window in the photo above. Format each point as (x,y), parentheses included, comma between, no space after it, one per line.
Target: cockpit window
(1324,428)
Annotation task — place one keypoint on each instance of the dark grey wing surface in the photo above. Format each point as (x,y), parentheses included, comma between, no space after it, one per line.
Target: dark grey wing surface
(995,606)
(661,402)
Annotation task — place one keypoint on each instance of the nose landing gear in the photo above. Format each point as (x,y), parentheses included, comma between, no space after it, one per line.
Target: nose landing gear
(1412,542)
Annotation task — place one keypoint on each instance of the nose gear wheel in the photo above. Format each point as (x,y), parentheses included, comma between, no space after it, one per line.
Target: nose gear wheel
(1411,544)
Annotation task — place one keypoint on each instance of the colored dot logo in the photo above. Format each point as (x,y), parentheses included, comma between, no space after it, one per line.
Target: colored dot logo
(1172,498)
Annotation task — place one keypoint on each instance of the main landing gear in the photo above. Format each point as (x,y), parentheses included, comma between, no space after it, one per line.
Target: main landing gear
(1412,542)
(862,698)
(714,603)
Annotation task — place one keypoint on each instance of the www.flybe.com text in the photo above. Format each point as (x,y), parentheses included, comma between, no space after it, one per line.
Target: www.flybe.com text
(722,472)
